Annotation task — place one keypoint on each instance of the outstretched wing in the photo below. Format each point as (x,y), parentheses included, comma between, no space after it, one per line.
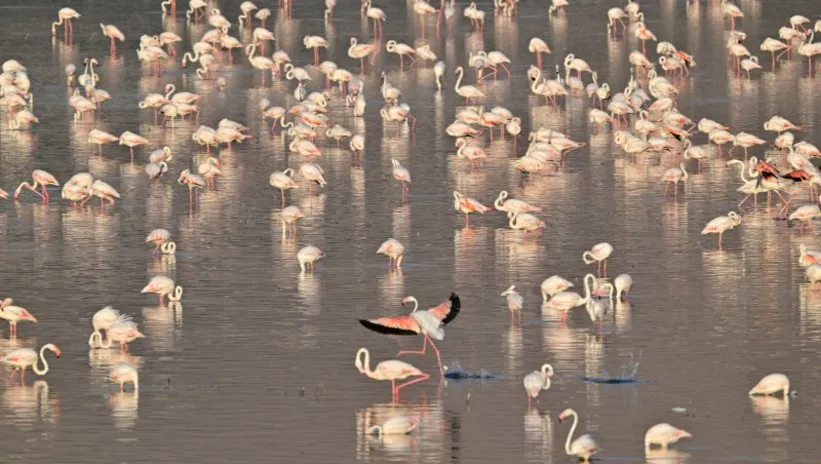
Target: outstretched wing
(447,310)
(397,325)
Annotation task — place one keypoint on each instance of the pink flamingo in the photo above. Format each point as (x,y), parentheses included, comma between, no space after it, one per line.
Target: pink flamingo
(64,17)
(22,358)
(391,369)
(428,323)
(112,32)
(40,179)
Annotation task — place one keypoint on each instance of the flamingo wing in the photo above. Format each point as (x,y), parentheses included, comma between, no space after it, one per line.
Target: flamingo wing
(447,310)
(397,325)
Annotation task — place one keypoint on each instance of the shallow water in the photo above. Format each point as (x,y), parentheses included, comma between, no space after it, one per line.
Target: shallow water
(257,365)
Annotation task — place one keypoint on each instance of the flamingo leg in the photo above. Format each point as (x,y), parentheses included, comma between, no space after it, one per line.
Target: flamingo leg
(438,355)
(424,345)
(421,378)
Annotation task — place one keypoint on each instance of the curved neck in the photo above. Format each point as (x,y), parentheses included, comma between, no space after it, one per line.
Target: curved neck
(587,289)
(171,90)
(684,171)
(377,429)
(570,433)
(512,222)
(95,340)
(499,201)
(177,295)
(366,363)
(45,364)
(415,305)
(461,73)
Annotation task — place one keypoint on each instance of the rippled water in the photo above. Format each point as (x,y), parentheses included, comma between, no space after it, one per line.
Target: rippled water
(258,364)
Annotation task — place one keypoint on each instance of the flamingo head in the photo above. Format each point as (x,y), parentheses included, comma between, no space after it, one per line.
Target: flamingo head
(564,415)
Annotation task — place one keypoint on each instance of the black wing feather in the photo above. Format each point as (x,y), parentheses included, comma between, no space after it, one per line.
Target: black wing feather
(384,329)
(455,306)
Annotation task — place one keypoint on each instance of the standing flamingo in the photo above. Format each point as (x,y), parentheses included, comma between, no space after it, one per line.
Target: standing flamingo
(394,250)
(163,286)
(515,302)
(565,300)
(401,174)
(429,323)
(40,178)
(673,176)
(112,32)
(599,254)
(584,447)
(722,224)
(391,369)
(64,17)
(22,358)
(14,314)
(537,381)
(123,373)
(468,91)
(307,256)
(467,205)
(102,320)
(283,180)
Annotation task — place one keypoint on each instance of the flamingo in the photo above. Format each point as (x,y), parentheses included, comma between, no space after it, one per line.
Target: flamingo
(396,425)
(40,178)
(123,331)
(806,213)
(401,174)
(623,283)
(565,301)
(515,302)
(469,92)
(102,320)
(163,286)
(161,238)
(132,140)
(315,42)
(64,17)
(288,217)
(732,12)
(123,373)
(538,47)
(98,137)
(429,323)
(599,254)
(361,51)
(722,224)
(112,32)
(391,369)
(377,15)
(664,435)
(554,285)
(307,256)
(673,176)
(467,205)
(512,205)
(772,384)
(14,314)
(537,381)
(779,125)
(524,221)
(394,250)
(22,358)
(584,446)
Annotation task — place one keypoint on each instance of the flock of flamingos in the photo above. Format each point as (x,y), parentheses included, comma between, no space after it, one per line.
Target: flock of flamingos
(644,119)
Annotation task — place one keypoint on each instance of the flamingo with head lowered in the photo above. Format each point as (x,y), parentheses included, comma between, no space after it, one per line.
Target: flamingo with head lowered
(428,323)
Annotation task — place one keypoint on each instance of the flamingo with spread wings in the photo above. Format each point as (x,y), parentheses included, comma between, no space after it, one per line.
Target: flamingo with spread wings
(428,323)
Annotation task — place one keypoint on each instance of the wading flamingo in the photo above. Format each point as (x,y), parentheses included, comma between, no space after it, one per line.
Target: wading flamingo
(664,435)
(599,254)
(40,178)
(537,381)
(722,224)
(64,17)
(14,314)
(396,425)
(467,205)
(428,323)
(163,286)
(584,447)
(565,301)
(391,369)
(22,358)
(772,384)
(124,373)
(394,250)
(515,302)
